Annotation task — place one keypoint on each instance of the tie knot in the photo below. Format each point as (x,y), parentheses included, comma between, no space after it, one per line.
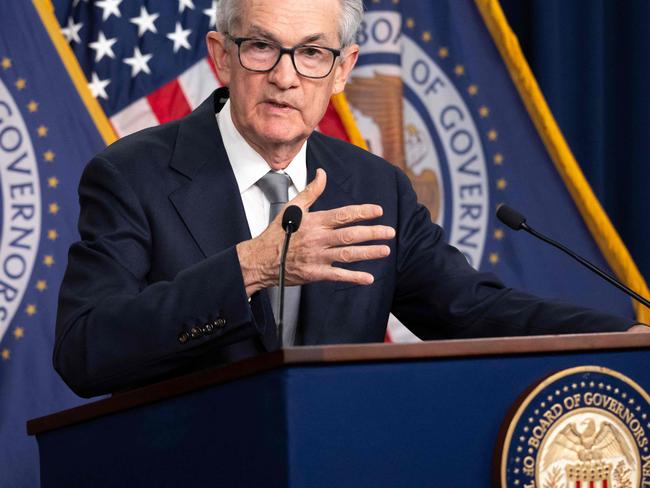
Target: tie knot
(275,187)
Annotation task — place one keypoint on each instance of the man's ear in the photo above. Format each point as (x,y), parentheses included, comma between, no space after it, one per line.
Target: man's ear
(218,51)
(344,67)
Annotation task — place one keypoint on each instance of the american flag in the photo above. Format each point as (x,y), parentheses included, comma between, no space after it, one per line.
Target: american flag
(146,61)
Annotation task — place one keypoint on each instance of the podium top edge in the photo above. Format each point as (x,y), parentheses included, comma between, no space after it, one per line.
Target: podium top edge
(331,354)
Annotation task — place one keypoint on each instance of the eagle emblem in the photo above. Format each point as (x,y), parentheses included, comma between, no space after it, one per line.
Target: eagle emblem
(588,444)
(593,451)
(379,98)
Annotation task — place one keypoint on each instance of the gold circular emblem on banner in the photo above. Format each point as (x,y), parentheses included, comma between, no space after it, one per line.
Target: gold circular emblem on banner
(587,426)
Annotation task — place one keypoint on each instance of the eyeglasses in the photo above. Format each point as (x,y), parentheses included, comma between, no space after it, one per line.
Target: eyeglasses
(262,56)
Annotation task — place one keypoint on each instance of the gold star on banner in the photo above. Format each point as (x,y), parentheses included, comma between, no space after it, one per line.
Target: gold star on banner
(6,63)
(498,234)
(498,159)
(19,332)
(410,23)
(472,90)
(494,258)
(52,234)
(32,106)
(459,70)
(48,260)
(484,111)
(492,135)
(501,184)
(49,155)
(41,131)
(21,83)
(443,52)
(52,182)
(6,354)
(54,208)
(426,36)
(30,309)
(41,285)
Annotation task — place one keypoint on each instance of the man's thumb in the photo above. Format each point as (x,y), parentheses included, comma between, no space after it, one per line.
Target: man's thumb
(312,191)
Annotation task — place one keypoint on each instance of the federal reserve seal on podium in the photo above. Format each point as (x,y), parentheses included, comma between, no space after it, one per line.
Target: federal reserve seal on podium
(584,427)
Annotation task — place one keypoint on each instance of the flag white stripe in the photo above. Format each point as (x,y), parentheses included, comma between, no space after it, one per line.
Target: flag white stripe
(134,117)
(198,83)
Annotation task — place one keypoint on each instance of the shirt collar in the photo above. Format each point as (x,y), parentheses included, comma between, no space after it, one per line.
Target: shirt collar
(247,165)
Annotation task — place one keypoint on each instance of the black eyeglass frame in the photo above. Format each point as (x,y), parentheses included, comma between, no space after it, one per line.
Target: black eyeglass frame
(284,50)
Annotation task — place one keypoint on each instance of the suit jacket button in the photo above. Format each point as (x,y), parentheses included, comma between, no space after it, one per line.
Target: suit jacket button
(208,329)
(196,332)
(183,337)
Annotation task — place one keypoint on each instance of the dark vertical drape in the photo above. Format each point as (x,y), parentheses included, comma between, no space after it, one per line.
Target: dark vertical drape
(592,61)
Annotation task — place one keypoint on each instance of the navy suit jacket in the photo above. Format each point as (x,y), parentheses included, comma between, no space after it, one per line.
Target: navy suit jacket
(154,287)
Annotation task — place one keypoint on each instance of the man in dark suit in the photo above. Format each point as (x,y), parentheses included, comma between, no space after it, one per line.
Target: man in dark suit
(176,259)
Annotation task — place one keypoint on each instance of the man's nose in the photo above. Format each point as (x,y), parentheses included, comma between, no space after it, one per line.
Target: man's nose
(284,75)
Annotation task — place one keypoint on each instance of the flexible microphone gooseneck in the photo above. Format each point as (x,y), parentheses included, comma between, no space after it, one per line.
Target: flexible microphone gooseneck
(517,221)
(291,220)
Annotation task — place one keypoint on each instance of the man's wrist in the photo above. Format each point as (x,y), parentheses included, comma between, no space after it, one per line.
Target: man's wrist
(253,275)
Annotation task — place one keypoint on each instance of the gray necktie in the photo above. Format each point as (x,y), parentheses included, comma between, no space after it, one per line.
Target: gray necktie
(275,187)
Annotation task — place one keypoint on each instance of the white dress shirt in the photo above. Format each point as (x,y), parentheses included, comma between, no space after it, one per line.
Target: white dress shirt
(249,167)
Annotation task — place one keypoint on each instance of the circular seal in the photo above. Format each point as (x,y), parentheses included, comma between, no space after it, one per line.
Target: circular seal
(21,208)
(413,115)
(582,427)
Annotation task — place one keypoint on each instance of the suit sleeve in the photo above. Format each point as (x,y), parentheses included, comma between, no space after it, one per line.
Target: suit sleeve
(115,330)
(439,295)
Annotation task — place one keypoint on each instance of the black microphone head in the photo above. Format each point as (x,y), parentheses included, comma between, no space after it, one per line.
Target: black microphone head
(511,217)
(291,218)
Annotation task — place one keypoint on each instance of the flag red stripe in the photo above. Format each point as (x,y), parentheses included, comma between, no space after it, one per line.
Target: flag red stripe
(332,125)
(168,102)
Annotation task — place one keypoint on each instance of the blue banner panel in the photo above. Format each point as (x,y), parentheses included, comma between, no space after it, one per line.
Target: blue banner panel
(46,137)
(450,116)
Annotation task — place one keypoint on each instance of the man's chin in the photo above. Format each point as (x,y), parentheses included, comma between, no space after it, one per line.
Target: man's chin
(282,137)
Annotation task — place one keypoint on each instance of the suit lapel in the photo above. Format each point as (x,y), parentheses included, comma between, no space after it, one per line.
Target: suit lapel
(209,201)
(315,302)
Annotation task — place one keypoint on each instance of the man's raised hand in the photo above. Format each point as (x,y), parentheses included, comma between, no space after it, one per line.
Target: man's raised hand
(324,238)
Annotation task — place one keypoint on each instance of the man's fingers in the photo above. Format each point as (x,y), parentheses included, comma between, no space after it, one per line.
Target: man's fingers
(333,273)
(350,214)
(312,191)
(353,254)
(359,234)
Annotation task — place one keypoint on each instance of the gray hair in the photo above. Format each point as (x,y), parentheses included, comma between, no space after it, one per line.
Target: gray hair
(228,14)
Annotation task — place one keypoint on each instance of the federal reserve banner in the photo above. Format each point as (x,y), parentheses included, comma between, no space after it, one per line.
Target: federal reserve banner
(441,90)
(46,137)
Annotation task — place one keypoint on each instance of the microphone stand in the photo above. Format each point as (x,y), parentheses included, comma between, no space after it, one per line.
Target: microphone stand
(283,258)
(586,263)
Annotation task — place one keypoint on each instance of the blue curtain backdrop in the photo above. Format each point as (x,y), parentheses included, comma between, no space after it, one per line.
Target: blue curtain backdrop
(591,59)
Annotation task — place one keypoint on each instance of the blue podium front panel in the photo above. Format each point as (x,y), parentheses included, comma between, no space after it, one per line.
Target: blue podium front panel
(415,424)
(229,435)
(430,422)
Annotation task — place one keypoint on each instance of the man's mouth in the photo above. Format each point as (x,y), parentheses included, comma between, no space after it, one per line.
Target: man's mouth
(280,105)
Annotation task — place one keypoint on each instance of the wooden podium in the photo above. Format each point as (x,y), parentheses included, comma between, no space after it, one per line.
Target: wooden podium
(377,415)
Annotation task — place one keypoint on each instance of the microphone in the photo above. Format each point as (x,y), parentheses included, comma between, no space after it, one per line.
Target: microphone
(517,221)
(291,220)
